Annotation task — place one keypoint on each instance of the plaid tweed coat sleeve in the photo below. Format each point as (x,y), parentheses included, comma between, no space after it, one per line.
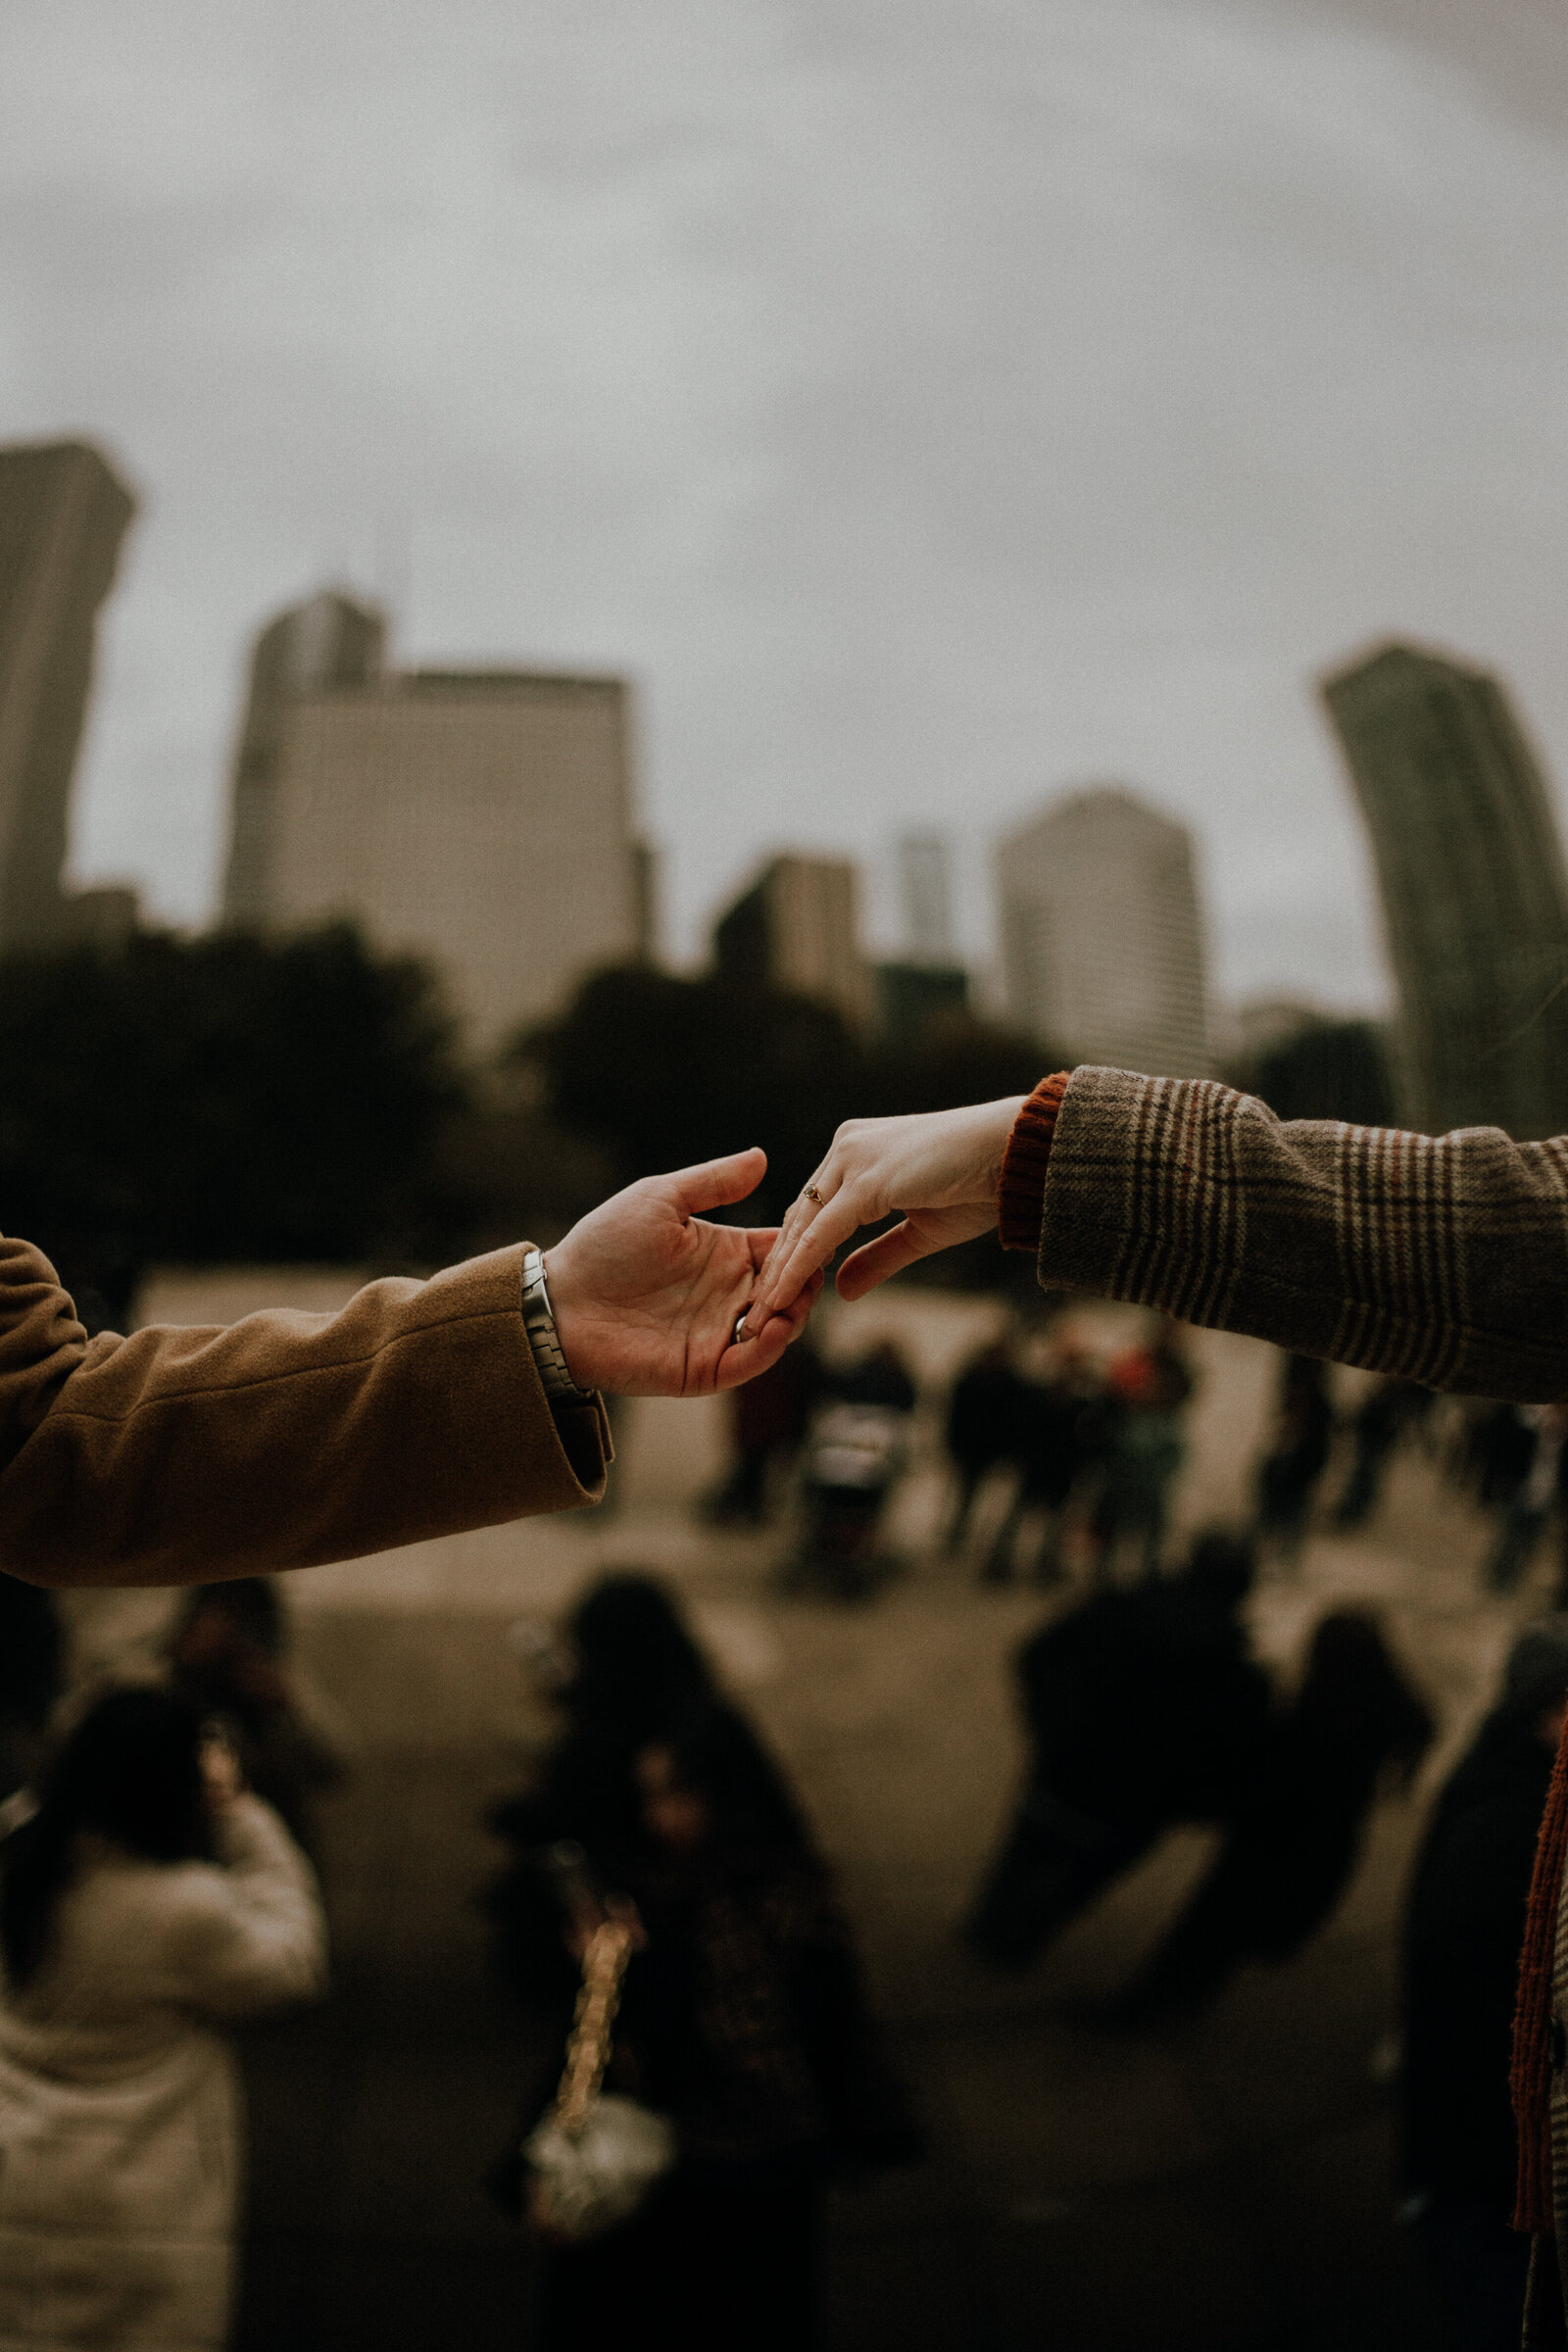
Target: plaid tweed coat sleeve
(1441,1259)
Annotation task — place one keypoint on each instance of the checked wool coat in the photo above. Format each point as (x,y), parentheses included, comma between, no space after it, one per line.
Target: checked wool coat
(1438,1259)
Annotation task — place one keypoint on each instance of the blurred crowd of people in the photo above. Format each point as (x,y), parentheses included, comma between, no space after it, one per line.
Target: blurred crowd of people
(664,1888)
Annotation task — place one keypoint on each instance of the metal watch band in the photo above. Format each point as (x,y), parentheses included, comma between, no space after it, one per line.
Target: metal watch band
(539,1322)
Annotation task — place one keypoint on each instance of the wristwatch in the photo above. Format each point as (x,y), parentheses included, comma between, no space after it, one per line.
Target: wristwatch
(539,1322)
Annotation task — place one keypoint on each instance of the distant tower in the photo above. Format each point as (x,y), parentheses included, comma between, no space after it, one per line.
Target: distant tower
(927,898)
(63,513)
(328,643)
(797,926)
(1475,899)
(1102,935)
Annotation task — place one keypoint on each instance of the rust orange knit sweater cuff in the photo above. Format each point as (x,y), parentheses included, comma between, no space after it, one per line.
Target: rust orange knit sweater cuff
(1021,1195)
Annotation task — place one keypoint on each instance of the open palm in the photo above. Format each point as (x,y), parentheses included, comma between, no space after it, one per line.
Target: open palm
(646,1292)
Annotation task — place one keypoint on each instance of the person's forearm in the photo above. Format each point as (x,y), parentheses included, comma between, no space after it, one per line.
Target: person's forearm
(287,1440)
(1443,1261)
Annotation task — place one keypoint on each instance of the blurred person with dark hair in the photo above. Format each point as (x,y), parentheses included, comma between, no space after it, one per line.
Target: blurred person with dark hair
(227,1654)
(744,2019)
(146,1904)
(420,1409)
(630,1664)
(1297,1457)
(980,1430)
(1049,1421)
(32,1657)
(1386,1412)
(1465,1925)
(1141,1452)
(1357,1723)
(1143,1708)
(768,1419)
(1524,1511)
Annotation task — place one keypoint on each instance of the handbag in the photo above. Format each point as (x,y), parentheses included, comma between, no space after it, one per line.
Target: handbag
(595,2154)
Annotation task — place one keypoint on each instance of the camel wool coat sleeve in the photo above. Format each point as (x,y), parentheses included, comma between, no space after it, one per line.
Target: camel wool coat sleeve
(1442,1260)
(183,1455)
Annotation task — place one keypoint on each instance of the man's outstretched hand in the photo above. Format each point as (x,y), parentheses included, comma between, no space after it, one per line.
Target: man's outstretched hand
(647,1294)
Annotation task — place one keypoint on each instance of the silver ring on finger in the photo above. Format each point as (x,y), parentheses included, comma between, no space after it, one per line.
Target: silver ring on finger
(740,1333)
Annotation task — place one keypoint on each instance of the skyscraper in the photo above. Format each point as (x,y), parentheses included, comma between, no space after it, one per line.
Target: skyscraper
(1475,899)
(63,513)
(326,643)
(1102,934)
(482,818)
(797,926)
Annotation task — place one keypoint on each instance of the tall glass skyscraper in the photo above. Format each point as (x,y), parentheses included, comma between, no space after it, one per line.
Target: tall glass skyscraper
(63,513)
(1475,897)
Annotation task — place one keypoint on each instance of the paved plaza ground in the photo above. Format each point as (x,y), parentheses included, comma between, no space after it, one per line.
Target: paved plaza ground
(1226,2186)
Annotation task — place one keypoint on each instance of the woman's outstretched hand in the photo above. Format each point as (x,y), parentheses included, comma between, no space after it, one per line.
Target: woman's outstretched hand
(646,1294)
(939,1170)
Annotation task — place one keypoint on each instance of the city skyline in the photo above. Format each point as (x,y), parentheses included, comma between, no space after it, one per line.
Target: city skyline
(927,408)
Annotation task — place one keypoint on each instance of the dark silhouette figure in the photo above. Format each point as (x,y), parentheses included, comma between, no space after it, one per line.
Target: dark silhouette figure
(1462,1936)
(1047,1417)
(1298,1456)
(228,1656)
(1143,1708)
(31,1676)
(768,1419)
(744,2018)
(1288,1857)
(635,1666)
(1379,1421)
(981,1428)
(1140,1451)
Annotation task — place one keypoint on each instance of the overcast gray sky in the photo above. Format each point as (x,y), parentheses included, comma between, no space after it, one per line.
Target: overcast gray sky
(929,403)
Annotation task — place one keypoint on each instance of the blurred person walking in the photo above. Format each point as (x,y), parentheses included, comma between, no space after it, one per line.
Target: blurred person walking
(981,1429)
(1530,1501)
(146,1905)
(768,1418)
(1465,1925)
(1386,1412)
(1141,1453)
(1297,1456)
(856,1453)
(229,1655)
(1356,1723)
(743,2020)
(1143,1708)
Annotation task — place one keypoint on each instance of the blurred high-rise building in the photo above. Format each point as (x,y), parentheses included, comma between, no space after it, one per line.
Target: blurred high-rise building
(797,926)
(63,513)
(482,818)
(325,644)
(1475,898)
(924,987)
(1102,934)
(927,894)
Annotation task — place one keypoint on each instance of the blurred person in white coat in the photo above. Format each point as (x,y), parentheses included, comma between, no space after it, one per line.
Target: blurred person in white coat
(146,1904)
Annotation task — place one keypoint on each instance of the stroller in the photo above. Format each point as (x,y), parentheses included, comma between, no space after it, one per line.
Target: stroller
(855,1456)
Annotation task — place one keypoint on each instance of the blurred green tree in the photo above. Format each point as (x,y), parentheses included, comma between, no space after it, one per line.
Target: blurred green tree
(223,1098)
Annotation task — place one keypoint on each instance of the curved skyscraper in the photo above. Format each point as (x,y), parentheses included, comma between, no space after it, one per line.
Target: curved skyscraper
(1475,898)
